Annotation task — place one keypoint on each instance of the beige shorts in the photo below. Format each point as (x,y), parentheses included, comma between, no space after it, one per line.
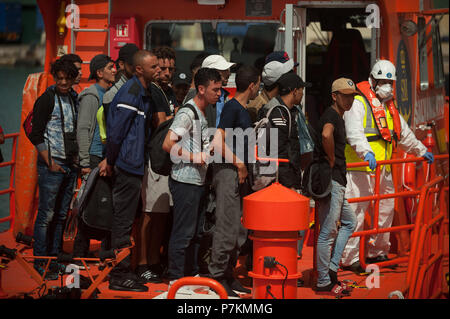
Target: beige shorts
(156,196)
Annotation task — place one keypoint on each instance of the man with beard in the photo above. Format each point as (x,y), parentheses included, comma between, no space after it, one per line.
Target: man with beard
(156,196)
(127,132)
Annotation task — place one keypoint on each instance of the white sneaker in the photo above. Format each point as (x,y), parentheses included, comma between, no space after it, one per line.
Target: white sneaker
(190,288)
(194,287)
(184,290)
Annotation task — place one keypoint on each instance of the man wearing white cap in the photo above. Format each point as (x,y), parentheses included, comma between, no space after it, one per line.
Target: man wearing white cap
(219,63)
(277,63)
(374,127)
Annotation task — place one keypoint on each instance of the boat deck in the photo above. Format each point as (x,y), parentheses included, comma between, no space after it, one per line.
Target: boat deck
(15,281)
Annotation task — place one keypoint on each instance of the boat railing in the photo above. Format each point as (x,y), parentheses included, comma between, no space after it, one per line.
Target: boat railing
(425,277)
(10,190)
(431,213)
(377,197)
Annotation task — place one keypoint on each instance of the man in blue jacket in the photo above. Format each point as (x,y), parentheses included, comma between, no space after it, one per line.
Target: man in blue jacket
(128,128)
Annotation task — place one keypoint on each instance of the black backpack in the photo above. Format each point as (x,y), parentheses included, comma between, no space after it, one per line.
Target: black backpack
(159,159)
(94,202)
(317,176)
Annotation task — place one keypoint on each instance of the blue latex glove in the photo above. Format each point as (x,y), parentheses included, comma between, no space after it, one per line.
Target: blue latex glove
(429,157)
(370,157)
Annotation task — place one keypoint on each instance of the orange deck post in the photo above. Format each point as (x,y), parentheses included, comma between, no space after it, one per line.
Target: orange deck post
(276,214)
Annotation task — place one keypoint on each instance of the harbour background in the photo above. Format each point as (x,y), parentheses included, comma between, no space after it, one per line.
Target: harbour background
(12,81)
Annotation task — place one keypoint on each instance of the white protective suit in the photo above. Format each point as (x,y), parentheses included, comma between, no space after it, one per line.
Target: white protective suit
(361,183)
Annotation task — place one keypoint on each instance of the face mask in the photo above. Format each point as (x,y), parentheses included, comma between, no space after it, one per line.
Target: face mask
(384,91)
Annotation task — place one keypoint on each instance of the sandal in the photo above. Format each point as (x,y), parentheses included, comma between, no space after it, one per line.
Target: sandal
(343,284)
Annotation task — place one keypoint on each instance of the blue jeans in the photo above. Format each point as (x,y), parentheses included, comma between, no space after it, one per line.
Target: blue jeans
(331,241)
(55,195)
(187,226)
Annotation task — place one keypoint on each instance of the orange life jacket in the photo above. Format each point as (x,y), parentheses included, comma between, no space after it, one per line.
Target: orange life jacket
(379,113)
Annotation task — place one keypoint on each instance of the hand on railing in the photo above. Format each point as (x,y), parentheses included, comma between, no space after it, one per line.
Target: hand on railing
(370,157)
(429,157)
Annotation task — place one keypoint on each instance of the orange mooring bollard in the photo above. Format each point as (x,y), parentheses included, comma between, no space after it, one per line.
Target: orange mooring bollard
(275,214)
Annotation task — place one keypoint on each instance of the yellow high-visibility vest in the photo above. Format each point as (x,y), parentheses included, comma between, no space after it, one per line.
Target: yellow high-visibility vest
(101,123)
(381,148)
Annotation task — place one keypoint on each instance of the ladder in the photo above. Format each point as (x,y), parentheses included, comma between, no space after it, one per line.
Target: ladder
(87,8)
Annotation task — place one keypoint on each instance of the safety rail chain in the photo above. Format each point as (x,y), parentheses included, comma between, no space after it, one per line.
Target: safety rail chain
(10,190)
(421,256)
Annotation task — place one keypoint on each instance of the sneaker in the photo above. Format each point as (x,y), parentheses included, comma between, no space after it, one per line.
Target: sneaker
(356,268)
(334,280)
(236,286)
(50,275)
(126,284)
(194,287)
(57,267)
(228,289)
(79,264)
(380,259)
(150,277)
(332,290)
(300,283)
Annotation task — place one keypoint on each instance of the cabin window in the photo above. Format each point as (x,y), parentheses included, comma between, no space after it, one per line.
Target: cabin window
(423,54)
(239,42)
(438,65)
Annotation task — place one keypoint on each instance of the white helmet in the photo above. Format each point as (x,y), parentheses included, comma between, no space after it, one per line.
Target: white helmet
(384,69)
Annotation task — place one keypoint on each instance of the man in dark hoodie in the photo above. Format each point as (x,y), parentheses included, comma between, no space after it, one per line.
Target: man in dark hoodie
(283,118)
(54,136)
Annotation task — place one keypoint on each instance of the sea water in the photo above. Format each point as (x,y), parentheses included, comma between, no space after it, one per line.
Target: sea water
(12,81)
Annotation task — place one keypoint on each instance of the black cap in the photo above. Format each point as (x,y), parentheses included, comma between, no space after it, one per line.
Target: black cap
(127,52)
(181,78)
(290,81)
(280,56)
(97,63)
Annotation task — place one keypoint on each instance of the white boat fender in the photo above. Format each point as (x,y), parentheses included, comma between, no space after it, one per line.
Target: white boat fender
(396,294)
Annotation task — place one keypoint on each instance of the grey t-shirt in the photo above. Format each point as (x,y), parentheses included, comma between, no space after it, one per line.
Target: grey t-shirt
(194,138)
(190,95)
